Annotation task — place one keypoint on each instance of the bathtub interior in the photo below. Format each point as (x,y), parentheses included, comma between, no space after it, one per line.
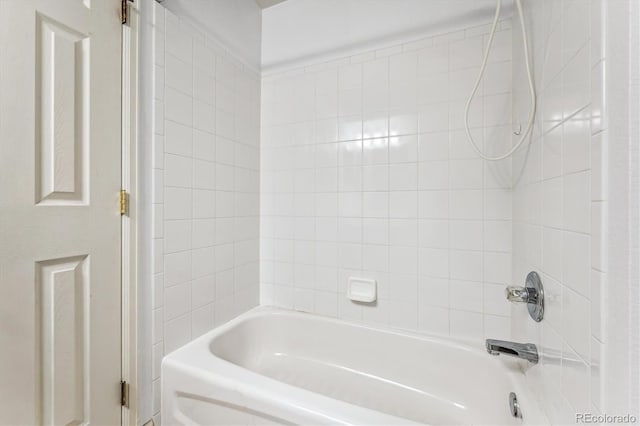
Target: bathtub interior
(427,381)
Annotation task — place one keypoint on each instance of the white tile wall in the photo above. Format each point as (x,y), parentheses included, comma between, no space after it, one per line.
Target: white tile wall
(560,203)
(365,171)
(206,190)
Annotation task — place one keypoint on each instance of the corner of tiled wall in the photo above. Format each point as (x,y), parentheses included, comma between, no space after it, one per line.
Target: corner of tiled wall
(158,40)
(205,187)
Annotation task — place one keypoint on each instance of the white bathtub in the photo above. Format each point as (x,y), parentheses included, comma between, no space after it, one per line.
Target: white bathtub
(272,366)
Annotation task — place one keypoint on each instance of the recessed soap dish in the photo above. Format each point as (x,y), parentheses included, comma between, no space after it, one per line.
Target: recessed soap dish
(362,290)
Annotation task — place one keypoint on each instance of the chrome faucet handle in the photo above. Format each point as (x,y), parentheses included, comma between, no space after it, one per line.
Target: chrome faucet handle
(532,294)
(517,294)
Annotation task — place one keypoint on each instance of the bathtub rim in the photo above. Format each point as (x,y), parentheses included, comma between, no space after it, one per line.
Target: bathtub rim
(197,360)
(462,343)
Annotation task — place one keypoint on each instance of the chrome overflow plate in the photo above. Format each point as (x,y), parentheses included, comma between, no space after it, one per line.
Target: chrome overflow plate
(514,406)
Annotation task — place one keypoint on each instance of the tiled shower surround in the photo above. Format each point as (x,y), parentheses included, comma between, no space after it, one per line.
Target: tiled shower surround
(359,167)
(366,172)
(206,191)
(560,202)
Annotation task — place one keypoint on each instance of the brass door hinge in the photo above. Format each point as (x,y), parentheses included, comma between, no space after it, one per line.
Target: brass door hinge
(125,10)
(124,202)
(123,5)
(124,394)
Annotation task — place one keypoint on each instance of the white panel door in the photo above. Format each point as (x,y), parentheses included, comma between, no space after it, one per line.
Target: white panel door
(60,152)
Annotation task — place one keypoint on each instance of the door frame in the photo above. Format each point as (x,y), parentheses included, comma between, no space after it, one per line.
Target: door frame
(130,145)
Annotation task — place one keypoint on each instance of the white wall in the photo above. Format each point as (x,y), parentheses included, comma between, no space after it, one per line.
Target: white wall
(560,203)
(621,310)
(365,171)
(205,186)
